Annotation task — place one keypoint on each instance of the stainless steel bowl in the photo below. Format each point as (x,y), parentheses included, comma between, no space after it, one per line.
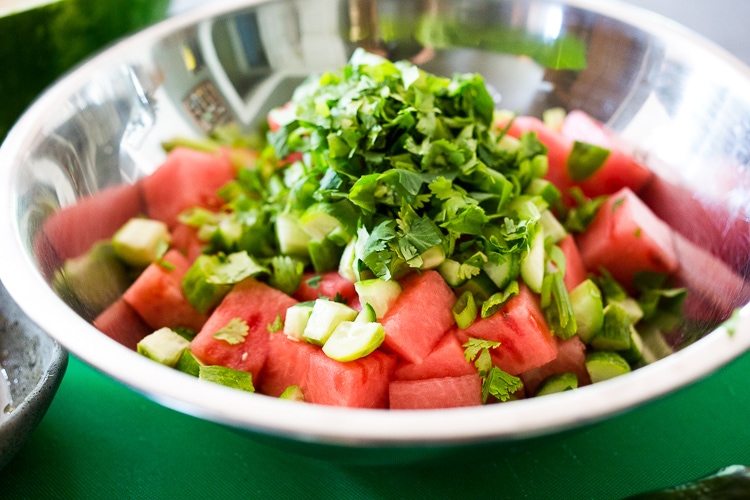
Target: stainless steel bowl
(681,102)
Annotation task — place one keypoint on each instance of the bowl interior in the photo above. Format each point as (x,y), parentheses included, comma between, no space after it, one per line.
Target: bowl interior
(679,103)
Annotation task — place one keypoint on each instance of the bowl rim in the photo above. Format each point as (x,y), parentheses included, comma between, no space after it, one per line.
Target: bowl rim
(323,424)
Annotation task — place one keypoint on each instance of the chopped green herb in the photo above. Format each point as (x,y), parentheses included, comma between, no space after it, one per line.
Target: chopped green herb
(500,384)
(233,332)
(585,160)
(277,325)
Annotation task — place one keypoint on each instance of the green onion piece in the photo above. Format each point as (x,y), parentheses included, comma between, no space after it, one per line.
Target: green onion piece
(584,160)
(465,310)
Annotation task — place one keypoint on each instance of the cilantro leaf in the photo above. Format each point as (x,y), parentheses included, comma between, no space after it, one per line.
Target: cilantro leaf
(233,332)
(500,384)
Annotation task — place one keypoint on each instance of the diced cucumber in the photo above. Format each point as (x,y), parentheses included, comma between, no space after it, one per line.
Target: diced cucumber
(615,334)
(236,379)
(335,221)
(532,261)
(348,261)
(634,353)
(199,291)
(655,346)
(546,189)
(450,269)
(465,310)
(366,315)
(588,310)
(553,228)
(631,307)
(141,241)
(554,118)
(480,285)
(353,340)
(503,272)
(325,255)
(292,238)
(558,382)
(292,393)
(379,293)
(163,346)
(433,257)
(94,280)
(604,365)
(296,319)
(324,318)
(188,363)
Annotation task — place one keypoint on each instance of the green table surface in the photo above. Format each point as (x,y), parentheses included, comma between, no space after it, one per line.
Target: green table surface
(99,439)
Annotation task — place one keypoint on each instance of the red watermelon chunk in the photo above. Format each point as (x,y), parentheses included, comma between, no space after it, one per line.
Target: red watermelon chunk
(362,383)
(258,305)
(123,324)
(157,295)
(420,316)
(331,285)
(185,239)
(287,363)
(445,392)
(187,178)
(520,327)
(619,170)
(571,357)
(445,360)
(626,237)
(73,230)
(575,271)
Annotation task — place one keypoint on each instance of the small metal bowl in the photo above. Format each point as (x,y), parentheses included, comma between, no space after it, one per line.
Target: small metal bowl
(33,365)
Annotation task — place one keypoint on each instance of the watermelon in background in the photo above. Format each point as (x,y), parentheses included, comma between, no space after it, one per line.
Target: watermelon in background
(420,316)
(258,306)
(432,393)
(156,295)
(123,324)
(525,339)
(642,240)
(187,178)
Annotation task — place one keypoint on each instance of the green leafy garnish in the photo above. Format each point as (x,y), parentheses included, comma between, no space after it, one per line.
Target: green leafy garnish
(233,268)
(277,325)
(495,382)
(233,332)
(585,159)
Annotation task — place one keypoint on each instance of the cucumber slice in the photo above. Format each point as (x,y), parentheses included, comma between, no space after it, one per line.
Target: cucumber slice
(379,293)
(293,240)
(366,315)
(450,269)
(236,379)
(163,346)
(296,319)
(139,242)
(352,340)
(324,318)
(335,221)
(532,262)
(480,285)
(325,255)
(615,334)
(588,309)
(465,310)
(292,393)
(503,272)
(604,365)
(188,363)
(433,257)
(553,228)
(202,294)
(558,382)
(655,347)
(348,261)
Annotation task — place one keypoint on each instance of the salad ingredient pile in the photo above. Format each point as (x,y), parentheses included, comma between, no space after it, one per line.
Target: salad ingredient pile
(394,242)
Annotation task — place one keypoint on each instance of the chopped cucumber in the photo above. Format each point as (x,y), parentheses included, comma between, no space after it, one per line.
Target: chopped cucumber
(433,257)
(504,272)
(94,280)
(366,315)
(655,346)
(554,118)
(553,228)
(631,307)
(188,363)
(532,262)
(139,242)
(292,393)
(236,379)
(465,310)
(325,255)
(546,189)
(615,334)
(335,221)
(199,291)
(324,318)
(379,293)
(558,382)
(588,310)
(480,285)
(348,261)
(163,346)
(292,238)
(353,340)
(604,365)
(296,319)
(634,354)
(450,270)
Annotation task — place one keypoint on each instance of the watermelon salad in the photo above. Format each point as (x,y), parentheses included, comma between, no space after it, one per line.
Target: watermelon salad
(392,240)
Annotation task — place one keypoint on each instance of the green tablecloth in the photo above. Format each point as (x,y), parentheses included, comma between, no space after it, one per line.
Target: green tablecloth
(101,440)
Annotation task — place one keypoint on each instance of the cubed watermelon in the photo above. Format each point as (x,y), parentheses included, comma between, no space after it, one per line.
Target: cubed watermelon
(123,324)
(330,284)
(256,304)
(72,230)
(287,363)
(431,393)
(626,237)
(185,239)
(575,271)
(158,298)
(187,178)
(445,360)
(571,357)
(525,338)
(420,316)
(362,383)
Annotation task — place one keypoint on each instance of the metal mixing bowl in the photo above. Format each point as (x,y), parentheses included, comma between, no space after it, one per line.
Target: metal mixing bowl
(680,101)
